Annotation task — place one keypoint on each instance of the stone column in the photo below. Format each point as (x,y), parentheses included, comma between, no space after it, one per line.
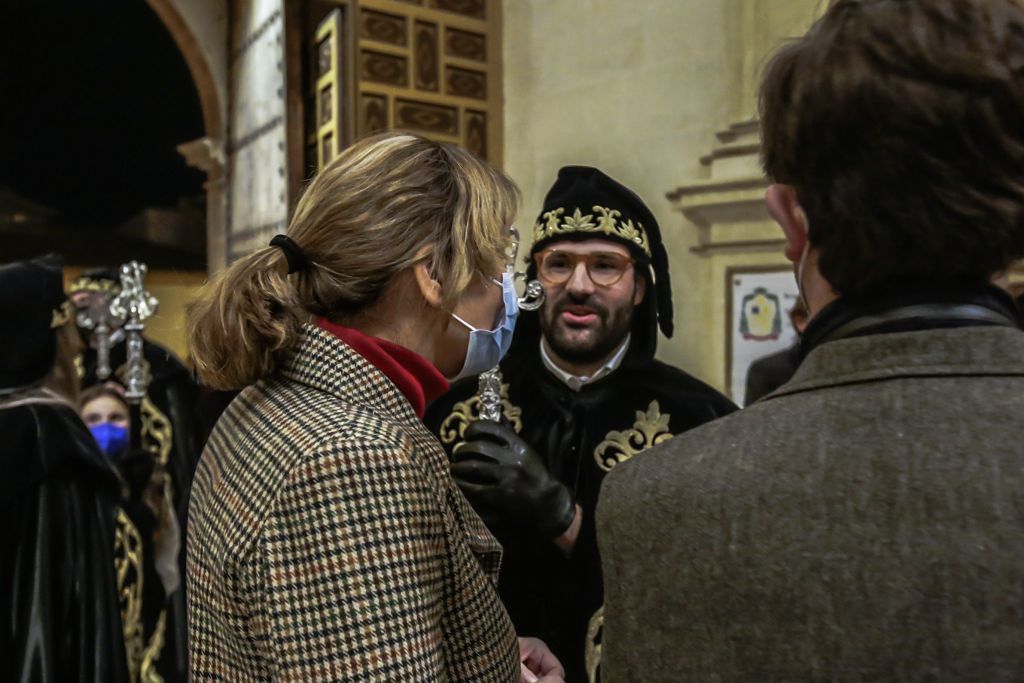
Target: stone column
(207,154)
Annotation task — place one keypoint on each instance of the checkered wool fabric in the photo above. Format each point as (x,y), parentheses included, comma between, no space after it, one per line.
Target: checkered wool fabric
(327,541)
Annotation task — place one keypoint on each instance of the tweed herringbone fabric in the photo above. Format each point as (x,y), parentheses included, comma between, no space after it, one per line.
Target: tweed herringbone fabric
(327,541)
(865,522)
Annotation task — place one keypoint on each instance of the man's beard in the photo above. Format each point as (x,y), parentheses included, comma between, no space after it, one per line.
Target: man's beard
(612,328)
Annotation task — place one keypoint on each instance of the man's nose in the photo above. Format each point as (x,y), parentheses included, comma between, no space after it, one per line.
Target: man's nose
(580,282)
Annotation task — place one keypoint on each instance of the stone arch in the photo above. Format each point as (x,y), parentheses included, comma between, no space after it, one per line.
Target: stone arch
(198,64)
(207,62)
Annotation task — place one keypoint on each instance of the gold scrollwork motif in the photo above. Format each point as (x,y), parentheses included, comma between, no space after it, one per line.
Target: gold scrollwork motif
(62,314)
(467,412)
(128,567)
(595,639)
(157,433)
(609,222)
(147,671)
(650,429)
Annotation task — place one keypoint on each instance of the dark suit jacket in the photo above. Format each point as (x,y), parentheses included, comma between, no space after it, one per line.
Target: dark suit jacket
(864,522)
(770,372)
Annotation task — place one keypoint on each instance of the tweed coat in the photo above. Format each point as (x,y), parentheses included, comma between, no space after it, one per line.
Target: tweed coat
(863,522)
(327,541)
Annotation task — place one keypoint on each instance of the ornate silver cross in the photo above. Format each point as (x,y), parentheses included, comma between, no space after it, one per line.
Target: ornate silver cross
(489,383)
(133,305)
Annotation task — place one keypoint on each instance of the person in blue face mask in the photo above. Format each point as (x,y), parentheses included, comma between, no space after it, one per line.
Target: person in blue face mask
(390,280)
(488,346)
(105,413)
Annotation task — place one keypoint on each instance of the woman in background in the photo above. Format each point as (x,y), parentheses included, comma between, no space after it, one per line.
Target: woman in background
(105,412)
(327,540)
(62,528)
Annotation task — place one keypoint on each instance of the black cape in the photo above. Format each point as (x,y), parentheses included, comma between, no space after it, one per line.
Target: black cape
(59,502)
(582,436)
(173,435)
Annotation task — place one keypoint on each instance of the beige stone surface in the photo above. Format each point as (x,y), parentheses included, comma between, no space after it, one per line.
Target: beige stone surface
(257,155)
(639,89)
(207,23)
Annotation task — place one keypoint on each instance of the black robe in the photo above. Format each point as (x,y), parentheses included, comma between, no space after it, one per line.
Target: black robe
(59,506)
(581,435)
(173,435)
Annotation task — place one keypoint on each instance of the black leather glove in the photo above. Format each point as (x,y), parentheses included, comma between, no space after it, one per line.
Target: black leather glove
(506,481)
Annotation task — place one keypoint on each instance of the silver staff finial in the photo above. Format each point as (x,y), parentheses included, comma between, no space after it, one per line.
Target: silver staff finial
(133,305)
(98,319)
(489,386)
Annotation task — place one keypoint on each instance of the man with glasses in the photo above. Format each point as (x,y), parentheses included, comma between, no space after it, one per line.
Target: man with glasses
(582,393)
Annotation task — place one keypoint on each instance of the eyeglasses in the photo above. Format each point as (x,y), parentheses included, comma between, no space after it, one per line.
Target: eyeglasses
(604,268)
(488,280)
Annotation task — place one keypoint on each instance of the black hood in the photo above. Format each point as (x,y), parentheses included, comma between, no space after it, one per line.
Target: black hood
(584,204)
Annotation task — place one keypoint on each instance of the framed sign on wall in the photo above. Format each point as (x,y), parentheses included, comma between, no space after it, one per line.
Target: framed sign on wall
(758,324)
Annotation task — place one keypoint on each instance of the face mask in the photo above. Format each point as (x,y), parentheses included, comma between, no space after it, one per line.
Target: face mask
(488,347)
(112,438)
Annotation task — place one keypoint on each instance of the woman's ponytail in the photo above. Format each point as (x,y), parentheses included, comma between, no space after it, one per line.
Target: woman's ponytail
(244,321)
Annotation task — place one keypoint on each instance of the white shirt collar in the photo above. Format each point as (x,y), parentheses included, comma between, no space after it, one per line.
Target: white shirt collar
(577,382)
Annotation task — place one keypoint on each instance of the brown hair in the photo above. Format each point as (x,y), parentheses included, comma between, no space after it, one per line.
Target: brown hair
(365,218)
(96,391)
(899,125)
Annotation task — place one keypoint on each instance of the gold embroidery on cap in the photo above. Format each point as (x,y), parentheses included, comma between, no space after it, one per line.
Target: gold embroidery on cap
(609,222)
(86,284)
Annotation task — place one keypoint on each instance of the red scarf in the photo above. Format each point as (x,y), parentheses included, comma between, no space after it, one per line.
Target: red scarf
(416,377)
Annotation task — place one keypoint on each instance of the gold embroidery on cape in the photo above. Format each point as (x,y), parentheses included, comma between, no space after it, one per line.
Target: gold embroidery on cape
(128,568)
(650,429)
(595,638)
(157,433)
(465,413)
(62,314)
(80,366)
(609,222)
(147,671)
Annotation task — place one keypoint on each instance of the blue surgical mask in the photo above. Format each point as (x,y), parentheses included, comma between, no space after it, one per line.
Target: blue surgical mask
(487,347)
(112,438)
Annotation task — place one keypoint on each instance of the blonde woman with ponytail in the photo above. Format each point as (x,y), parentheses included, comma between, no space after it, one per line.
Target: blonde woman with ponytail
(327,541)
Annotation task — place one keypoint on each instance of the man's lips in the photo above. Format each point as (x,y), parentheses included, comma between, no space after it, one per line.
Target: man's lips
(579,315)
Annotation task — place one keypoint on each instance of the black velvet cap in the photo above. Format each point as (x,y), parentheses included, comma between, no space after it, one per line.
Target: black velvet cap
(105,280)
(32,306)
(586,204)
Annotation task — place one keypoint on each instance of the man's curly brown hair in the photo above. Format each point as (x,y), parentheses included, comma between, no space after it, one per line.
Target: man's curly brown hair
(900,124)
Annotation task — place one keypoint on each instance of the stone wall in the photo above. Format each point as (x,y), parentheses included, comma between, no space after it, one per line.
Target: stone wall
(659,95)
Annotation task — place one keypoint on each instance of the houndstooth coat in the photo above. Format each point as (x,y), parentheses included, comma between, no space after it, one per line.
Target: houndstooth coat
(327,541)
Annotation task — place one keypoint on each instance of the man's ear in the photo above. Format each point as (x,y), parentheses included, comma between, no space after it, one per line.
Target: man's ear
(426,280)
(785,209)
(639,290)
